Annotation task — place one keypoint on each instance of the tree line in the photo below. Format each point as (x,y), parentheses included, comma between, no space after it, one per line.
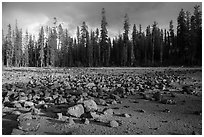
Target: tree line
(152,47)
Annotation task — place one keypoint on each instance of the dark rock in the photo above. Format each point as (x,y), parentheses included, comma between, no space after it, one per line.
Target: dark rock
(157,96)
(166,110)
(187,89)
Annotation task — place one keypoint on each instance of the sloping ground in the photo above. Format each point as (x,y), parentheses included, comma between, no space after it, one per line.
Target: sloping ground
(176,110)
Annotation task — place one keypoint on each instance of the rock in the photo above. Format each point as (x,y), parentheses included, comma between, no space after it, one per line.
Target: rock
(146,96)
(70,121)
(6,99)
(28,123)
(17,105)
(76,110)
(100,102)
(173,95)
(22,99)
(166,110)
(113,102)
(168,101)
(187,89)
(141,110)
(116,97)
(90,105)
(126,115)
(113,123)
(28,104)
(108,111)
(17,132)
(195,133)
(86,121)
(16,113)
(120,90)
(35,111)
(59,116)
(94,115)
(198,112)
(157,96)
(90,85)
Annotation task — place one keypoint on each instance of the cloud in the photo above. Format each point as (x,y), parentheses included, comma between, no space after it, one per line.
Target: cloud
(32,15)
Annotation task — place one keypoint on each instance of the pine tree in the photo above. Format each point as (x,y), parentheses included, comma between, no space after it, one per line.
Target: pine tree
(104,39)
(26,64)
(41,47)
(8,47)
(126,39)
(134,41)
(154,33)
(181,33)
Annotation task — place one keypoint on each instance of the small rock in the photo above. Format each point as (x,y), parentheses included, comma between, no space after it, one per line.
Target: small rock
(113,123)
(126,115)
(108,111)
(17,105)
(76,111)
(86,121)
(17,132)
(28,104)
(116,97)
(113,102)
(187,89)
(70,121)
(94,115)
(16,113)
(35,111)
(90,105)
(90,85)
(59,116)
(141,110)
(198,112)
(100,102)
(166,110)
(195,133)
(157,96)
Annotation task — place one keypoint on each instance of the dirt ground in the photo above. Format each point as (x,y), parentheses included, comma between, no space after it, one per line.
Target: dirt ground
(147,117)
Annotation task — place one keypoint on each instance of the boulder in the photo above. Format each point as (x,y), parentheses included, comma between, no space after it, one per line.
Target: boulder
(76,110)
(28,123)
(90,105)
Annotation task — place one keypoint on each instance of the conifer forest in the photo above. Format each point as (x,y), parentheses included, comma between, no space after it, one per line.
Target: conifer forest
(179,45)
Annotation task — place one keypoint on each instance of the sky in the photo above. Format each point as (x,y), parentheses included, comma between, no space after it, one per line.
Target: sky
(32,15)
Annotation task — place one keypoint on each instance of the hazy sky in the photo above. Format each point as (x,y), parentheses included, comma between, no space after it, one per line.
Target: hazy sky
(33,15)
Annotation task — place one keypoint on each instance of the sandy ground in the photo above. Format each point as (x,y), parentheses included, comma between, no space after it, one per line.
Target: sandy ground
(152,120)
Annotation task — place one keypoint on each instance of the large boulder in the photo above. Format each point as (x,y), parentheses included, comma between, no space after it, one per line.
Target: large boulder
(90,105)
(76,110)
(28,123)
